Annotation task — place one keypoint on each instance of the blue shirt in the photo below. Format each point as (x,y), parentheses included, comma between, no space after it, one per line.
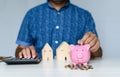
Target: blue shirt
(44,24)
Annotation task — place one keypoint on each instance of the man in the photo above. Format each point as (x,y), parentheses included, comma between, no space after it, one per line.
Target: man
(54,22)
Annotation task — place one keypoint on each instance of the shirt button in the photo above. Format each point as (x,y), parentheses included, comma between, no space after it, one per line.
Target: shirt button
(56,42)
(58,12)
(57,27)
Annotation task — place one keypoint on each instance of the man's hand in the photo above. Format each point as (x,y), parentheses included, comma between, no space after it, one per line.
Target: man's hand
(26,52)
(93,41)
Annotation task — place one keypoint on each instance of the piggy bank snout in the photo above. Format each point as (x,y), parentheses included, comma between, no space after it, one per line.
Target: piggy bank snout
(79,56)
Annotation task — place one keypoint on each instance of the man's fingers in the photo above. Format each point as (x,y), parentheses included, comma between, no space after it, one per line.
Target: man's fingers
(90,38)
(28,54)
(24,53)
(85,37)
(33,51)
(93,42)
(20,55)
(95,47)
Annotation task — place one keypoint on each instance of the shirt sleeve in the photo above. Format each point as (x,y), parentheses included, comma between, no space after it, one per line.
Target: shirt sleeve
(24,38)
(90,24)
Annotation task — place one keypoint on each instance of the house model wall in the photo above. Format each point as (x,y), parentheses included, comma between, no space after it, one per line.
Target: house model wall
(63,52)
(47,53)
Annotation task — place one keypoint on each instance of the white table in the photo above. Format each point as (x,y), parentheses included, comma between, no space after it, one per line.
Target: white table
(105,67)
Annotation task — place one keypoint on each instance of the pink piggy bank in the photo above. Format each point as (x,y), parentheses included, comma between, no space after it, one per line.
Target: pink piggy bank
(80,54)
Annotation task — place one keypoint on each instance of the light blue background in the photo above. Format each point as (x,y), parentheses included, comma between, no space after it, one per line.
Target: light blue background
(106,14)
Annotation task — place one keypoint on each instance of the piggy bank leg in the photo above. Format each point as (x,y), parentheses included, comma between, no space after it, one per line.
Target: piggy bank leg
(75,66)
(82,67)
(86,66)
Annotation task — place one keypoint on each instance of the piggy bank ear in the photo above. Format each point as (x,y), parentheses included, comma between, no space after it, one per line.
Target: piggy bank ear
(72,47)
(87,46)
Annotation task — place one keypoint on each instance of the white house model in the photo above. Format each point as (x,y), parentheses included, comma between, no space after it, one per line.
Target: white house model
(63,52)
(47,53)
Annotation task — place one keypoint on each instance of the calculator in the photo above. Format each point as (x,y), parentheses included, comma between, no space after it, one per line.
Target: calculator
(14,60)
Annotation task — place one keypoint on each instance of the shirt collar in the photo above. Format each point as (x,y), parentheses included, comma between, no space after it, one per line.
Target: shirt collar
(66,5)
